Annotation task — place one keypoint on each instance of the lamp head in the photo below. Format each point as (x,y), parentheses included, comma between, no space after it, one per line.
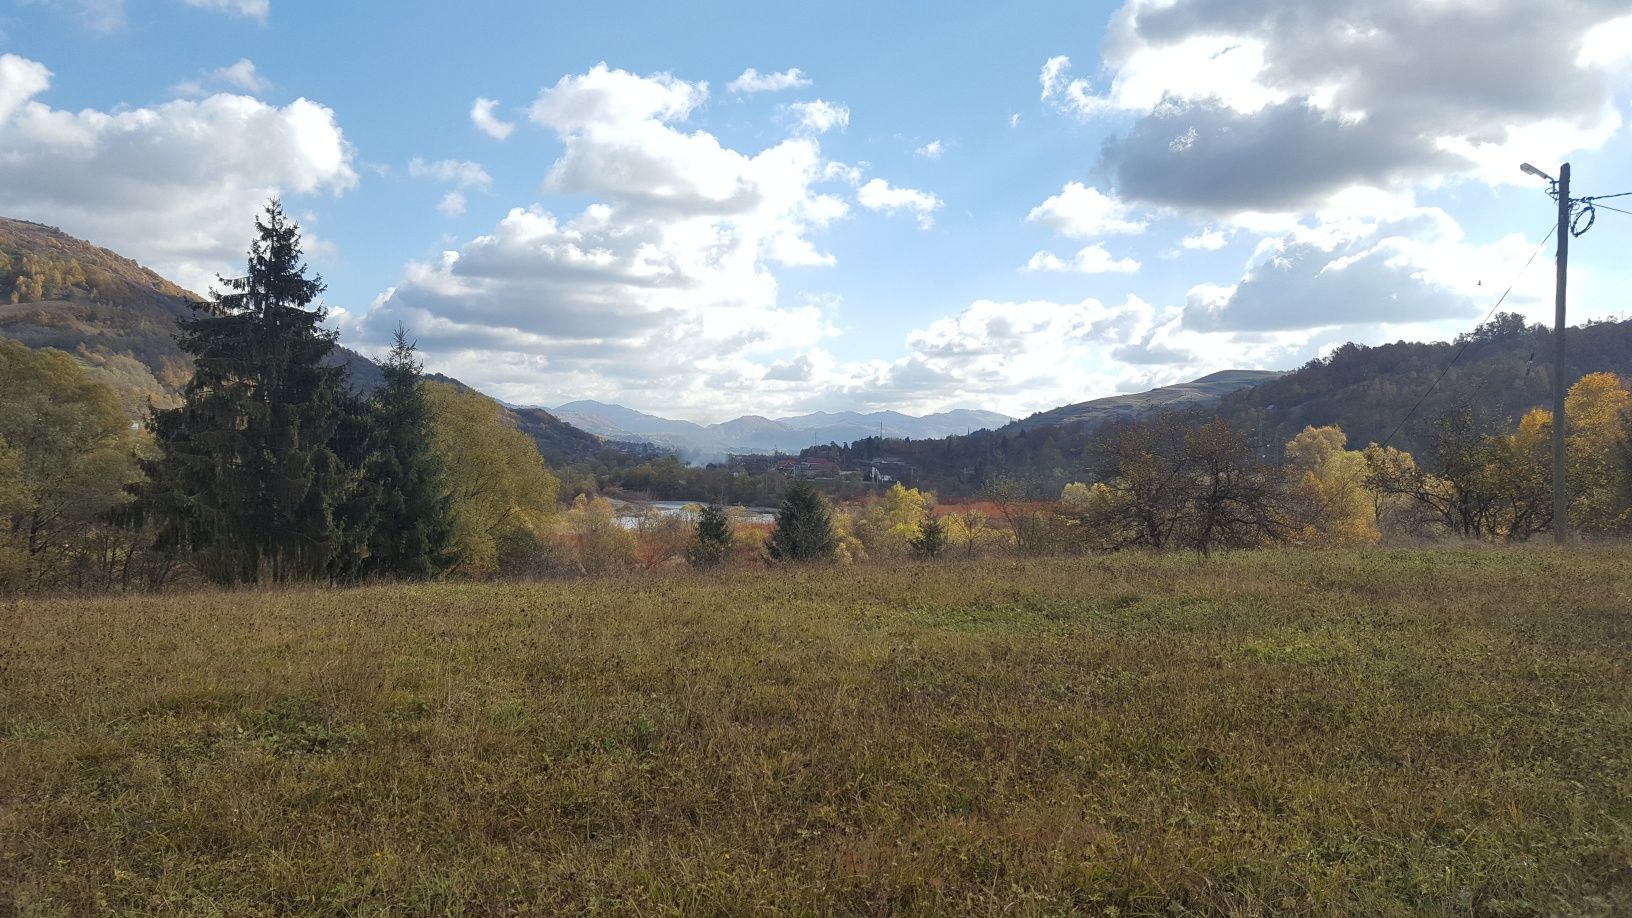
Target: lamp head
(1528,169)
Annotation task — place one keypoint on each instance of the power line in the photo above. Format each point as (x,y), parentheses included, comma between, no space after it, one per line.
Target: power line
(1616,209)
(1468,340)
(1458,355)
(1605,197)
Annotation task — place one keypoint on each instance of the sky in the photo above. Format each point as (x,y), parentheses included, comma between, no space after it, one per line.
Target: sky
(710,209)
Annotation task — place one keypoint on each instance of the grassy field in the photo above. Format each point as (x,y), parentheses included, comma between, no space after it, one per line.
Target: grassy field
(1383,733)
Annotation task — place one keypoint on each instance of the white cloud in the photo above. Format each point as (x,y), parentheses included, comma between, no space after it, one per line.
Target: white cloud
(1607,46)
(1080,212)
(1066,93)
(482,116)
(932,150)
(175,185)
(463,173)
(452,204)
(660,292)
(1093,259)
(241,75)
(819,116)
(247,9)
(1410,268)
(1210,240)
(752,81)
(879,195)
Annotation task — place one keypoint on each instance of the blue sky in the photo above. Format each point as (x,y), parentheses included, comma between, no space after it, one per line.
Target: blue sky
(985,206)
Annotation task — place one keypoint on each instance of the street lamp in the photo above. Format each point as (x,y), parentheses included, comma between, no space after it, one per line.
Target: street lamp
(1528,169)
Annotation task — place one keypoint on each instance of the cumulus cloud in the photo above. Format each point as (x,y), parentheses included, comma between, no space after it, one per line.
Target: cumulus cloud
(1081,212)
(663,285)
(1012,356)
(1414,267)
(174,185)
(752,81)
(1093,259)
(241,75)
(879,195)
(932,150)
(1258,106)
(819,116)
(483,117)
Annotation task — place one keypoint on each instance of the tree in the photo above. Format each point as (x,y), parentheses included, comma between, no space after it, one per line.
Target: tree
(413,521)
(889,526)
(968,528)
(1597,407)
(248,476)
(660,538)
(804,527)
(1329,503)
(712,543)
(1472,483)
(1234,502)
(66,453)
(930,541)
(599,542)
(499,488)
(1147,477)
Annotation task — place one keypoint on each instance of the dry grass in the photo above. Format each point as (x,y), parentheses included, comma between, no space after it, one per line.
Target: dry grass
(1384,733)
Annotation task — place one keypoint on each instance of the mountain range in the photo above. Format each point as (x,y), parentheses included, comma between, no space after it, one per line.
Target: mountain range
(756,434)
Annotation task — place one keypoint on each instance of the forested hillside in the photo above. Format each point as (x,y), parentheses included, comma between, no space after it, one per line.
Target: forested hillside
(1501,369)
(1498,372)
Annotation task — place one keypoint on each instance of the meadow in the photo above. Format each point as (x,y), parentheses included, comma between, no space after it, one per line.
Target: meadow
(1437,732)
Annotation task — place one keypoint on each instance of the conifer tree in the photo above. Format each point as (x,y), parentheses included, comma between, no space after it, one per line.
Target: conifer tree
(413,519)
(930,541)
(804,528)
(250,475)
(713,541)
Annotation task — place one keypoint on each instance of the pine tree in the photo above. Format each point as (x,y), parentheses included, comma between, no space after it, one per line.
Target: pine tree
(930,541)
(713,542)
(804,529)
(413,520)
(250,475)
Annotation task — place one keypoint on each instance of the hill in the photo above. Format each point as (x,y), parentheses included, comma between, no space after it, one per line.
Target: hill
(1194,394)
(1502,369)
(756,434)
(120,319)
(1268,733)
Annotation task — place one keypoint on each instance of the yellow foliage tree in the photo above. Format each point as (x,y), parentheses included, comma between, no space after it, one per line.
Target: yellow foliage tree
(500,487)
(888,527)
(1330,488)
(1597,407)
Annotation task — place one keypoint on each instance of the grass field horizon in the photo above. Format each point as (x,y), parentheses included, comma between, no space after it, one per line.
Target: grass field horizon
(1385,732)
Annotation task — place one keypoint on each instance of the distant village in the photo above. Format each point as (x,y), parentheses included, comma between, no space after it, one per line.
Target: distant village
(885,469)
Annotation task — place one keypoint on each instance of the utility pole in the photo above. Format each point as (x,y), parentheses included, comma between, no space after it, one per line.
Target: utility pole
(1561,497)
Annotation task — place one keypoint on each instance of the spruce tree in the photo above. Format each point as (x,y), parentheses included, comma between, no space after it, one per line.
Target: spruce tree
(804,528)
(713,542)
(413,519)
(249,474)
(930,541)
